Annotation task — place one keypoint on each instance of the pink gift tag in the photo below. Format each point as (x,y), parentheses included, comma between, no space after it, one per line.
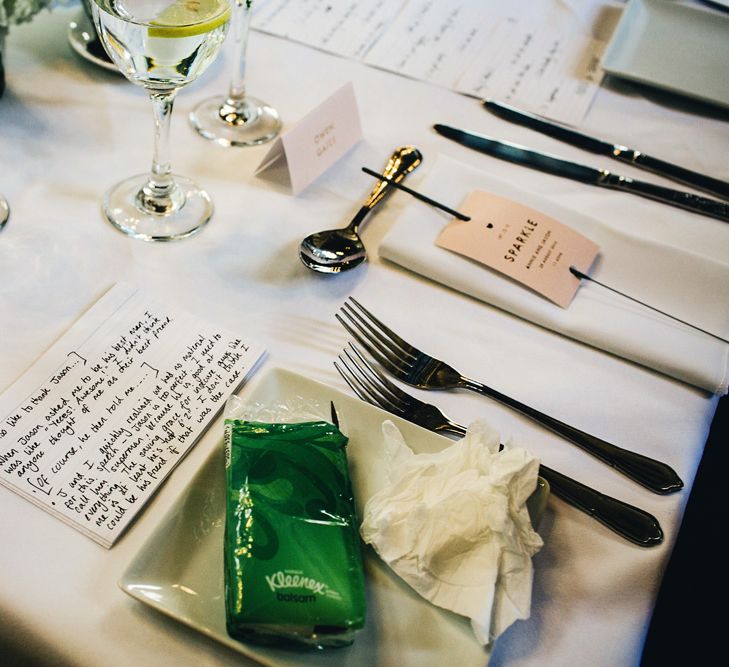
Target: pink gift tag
(522,243)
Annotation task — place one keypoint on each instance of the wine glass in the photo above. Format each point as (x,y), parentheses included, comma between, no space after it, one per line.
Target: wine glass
(161,45)
(237,119)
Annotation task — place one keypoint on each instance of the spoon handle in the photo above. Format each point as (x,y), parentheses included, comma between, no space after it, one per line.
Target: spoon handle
(404,160)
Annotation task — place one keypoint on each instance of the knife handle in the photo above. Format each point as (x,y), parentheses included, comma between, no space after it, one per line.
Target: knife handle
(629,521)
(712,186)
(686,200)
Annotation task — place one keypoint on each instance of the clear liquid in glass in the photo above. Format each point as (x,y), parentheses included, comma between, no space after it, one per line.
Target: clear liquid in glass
(161,45)
(160,57)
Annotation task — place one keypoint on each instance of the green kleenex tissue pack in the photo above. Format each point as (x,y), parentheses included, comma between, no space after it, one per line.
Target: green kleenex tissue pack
(293,561)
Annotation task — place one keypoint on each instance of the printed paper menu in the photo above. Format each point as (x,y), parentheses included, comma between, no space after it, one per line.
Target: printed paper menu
(91,431)
(347,27)
(543,57)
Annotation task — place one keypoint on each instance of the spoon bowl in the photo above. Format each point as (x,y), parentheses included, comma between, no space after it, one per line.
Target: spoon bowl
(4,211)
(337,250)
(332,251)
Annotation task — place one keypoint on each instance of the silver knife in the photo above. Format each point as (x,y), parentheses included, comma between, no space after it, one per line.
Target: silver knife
(601,177)
(712,186)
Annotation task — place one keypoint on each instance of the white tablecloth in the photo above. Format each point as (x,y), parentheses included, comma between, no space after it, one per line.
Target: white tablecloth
(68,130)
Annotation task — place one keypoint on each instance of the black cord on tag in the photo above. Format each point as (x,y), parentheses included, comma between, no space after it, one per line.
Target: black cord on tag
(573,270)
(417,195)
(583,276)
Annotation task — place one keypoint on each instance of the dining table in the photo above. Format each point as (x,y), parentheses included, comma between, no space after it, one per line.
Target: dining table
(69,129)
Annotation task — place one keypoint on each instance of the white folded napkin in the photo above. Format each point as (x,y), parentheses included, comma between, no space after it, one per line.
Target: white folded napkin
(684,284)
(454,525)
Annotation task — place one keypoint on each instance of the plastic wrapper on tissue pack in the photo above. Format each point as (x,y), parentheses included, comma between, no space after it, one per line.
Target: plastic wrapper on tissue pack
(293,561)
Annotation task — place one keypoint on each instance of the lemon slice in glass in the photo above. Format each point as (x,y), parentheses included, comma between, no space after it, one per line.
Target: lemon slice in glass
(185,18)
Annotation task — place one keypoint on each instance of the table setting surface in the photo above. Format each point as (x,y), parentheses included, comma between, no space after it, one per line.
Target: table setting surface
(69,129)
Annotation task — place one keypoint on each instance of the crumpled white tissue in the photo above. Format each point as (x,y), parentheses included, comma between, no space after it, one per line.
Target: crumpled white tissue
(455,527)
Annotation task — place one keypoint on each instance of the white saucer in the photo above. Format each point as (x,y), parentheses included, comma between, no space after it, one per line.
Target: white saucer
(179,571)
(680,48)
(80,35)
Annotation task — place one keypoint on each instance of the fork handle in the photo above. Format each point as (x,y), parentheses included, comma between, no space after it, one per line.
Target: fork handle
(631,522)
(652,474)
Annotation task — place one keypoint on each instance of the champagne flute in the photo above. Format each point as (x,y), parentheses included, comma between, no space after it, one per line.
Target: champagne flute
(161,45)
(237,119)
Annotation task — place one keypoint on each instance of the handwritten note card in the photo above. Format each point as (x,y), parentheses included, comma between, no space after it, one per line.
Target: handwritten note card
(541,56)
(93,428)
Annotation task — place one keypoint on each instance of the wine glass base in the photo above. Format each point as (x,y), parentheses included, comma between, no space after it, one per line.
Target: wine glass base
(249,123)
(121,207)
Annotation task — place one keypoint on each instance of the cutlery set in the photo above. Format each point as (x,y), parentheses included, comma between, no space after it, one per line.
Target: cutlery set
(712,186)
(380,349)
(418,369)
(337,250)
(604,178)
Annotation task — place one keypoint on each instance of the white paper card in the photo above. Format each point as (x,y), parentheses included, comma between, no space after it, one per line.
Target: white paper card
(347,27)
(94,427)
(543,57)
(549,72)
(317,141)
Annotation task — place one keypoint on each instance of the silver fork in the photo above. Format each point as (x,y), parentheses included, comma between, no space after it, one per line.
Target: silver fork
(418,369)
(371,386)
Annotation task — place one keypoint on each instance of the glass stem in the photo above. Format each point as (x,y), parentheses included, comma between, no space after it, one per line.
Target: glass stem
(241,22)
(160,194)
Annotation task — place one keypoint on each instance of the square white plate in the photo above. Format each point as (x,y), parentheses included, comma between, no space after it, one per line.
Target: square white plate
(679,48)
(179,571)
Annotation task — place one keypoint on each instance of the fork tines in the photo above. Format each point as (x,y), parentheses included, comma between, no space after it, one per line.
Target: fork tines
(378,339)
(368,383)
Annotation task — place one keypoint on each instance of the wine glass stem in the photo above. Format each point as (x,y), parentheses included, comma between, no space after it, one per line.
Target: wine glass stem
(241,22)
(160,194)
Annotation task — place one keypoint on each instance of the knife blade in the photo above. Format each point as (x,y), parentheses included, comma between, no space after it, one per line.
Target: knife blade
(551,164)
(708,184)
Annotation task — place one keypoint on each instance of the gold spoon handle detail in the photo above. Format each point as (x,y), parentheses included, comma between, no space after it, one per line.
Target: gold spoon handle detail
(403,161)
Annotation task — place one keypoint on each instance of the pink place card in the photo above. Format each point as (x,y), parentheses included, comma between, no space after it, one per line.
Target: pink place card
(522,243)
(317,141)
